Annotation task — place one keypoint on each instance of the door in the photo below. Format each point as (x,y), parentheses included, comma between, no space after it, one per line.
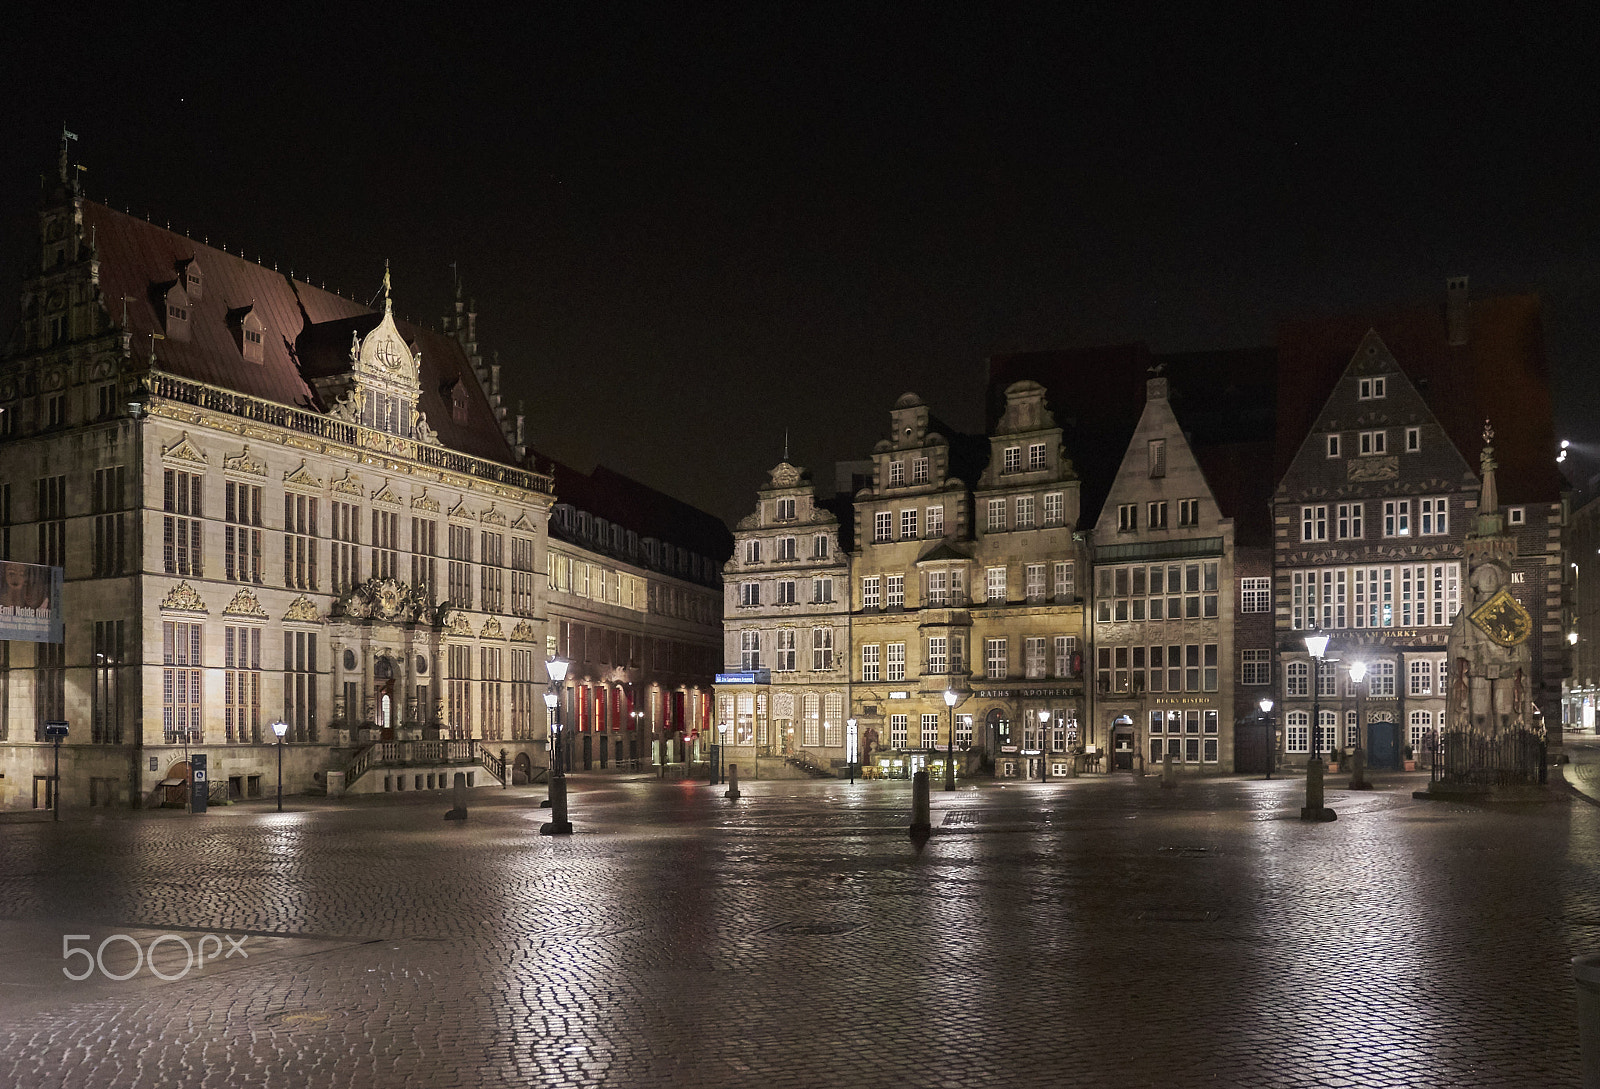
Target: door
(1122,750)
(1383,745)
(1252,747)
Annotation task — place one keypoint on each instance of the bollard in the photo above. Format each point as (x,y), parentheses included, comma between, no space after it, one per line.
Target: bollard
(558,824)
(733,782)
(1586,977)
(921,824)
(1358,770)
(459,813)
(1169,777)
(1314,810)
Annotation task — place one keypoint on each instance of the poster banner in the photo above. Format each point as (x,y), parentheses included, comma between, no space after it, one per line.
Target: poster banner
(30,602)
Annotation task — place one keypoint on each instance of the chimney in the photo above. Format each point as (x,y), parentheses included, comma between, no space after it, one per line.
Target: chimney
(1455,311)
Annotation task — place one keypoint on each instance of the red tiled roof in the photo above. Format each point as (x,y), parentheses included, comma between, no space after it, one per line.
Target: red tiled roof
(1499,374)
(135,256)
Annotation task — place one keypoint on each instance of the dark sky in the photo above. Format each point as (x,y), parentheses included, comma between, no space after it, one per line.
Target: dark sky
(689,228)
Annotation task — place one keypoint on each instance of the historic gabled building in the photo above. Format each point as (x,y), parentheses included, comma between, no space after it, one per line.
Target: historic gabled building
(1026,615)
(1377,491)
(1164,604)
(786,648)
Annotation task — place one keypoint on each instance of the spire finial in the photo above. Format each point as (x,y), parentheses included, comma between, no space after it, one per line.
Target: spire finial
(388,303)
(786,444)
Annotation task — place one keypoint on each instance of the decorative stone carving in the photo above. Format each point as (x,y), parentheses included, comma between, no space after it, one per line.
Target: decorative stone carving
(350,484)
(244,463)
(303,610)
(244,603)
(185,450)
(302,478)
(524,633)
(493,516)
(459,624)
(523,523)
(785,475)
(386,600)
(347,409)
(184,599)
(1372,468)
(425,502)
(460,512)
(386,496)
(420,428)
(491,629)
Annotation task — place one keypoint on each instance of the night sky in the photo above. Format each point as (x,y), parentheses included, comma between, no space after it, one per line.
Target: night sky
(690,228)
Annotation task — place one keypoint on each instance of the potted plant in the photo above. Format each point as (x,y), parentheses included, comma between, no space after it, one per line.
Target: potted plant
(1335,758)
(1410,758)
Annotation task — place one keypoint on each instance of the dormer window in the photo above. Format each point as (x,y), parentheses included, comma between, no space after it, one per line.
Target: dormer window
(458,401)
(173,306)
(248,333)
(191,280)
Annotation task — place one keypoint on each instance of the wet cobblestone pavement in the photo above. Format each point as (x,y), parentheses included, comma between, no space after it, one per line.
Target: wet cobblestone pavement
(1092,933)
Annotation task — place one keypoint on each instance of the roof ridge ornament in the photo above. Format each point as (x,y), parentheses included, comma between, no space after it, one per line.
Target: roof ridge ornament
(388,303)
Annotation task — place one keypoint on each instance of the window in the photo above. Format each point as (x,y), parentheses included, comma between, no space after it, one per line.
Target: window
(1065,581)
(749,594)
(1033,650)
(869,591)
(1347,521)
(458,701)
(896,661)
(1333,445)
(241,683)
(1371,389)
(1397,517)
(930,731)
(300,541)
(894,591)
(1413,440)
(786,510)
(819,547)
(1025,512)
(106,695)
(1515,516)
(385,558)
(522,595)
(1066,650)
(1314,523)
(882,525)
(752,551)
(1297,679)
(938,654)
(1421,678)
(810,720)
(1158,457)
(919,470)
(995,657)
(821,648)
(1127,517)
(180,683)
(749,650)
(1012,459)
(869,663)
(1052,508)
(822,591)
(936,521)
(1380,679)
(1297,732)
(784,661)
(1374,442)
(997,514)
(908,524)
(180,524)
(1255,595)
(1156,515)
(897,731)
(897,473)
(938,588)
(994,584)
(300,684)
(1421,724)
(110,536)
(786,592)
(346,557)
(1034,576)
(788,548)
(1036,456)
(833,720)
(491,706)
(460,573)
(1255,667)
(1433,517)
(1188,512)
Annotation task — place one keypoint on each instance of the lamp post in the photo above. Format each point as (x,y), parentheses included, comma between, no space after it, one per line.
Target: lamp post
(722,751)
(280,728)
(1358,676)
(950,740)
(638,717)
(851,752)
(1044,748)
(1316,646)
(559,825)
(1265,703)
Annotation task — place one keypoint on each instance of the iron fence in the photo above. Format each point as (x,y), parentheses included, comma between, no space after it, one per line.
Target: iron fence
(1513,758)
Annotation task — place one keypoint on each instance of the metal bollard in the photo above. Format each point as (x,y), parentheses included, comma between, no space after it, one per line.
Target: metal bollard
(921,821)
(1358,770)
(459,813)
(1314,809)
(558,825)
(733,782)
(1586,977)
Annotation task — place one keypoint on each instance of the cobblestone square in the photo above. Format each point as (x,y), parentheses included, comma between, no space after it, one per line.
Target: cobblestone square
(1098,932)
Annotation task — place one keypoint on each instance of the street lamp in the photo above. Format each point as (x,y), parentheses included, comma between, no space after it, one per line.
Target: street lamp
(1265,703)
(722,751)
(851,752)
(280,728)
(1044,747)
(1358,675)
(950,698)
(559,825)
(1316,646)
(638,718)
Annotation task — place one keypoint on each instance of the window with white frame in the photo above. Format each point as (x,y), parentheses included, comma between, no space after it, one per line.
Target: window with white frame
(821,648)
(1297,731)
(1297,679)
(1413,440)
(908,524)
(994,584)
(1433,516)
(938,654)
(938,588)
(1156,515)
(1515,516)
(1327,680)
(819,546)
(833,720)
(1255,666)
(785,653)
(964,731)
(896,663)
(897,473)
(997,514)
(180,683)
(752,551)
(822,590)
(882,525)
(869,591)
(1421,723)
(1066,647)
(1372,389)
(1380,679)
(1421,671)
(1033,663)
(786,510)
(995,659)
(1374,442)
(1332,445)
(930,731)
(1157,457)
(1034,575)
(1347,521)
(1188,513)
(749,650)
(1065,580)
(787,548)
(894,591)
(1397,517)
(810,720)
(1012,459)
(919,470)
(1314,522)
(1052,508)
(1255,595)
(749,593)
(786,592)
(870,670)
(1352,730)
(1127,517)
(1025,518)
(1036,456)
(897,731)
(935,521)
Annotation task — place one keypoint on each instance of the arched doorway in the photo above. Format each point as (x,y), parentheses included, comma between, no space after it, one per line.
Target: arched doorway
(383,672)
(1123,744)
(521,770)
(175,786)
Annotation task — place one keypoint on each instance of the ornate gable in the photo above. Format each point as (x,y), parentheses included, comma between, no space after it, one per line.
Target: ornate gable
(302,478)
(524,524)
(185,450)
(244,463)
(183,598)
(523,633)
(350,484)
(460,512)
(303,610)
(385,496)
(491,629)
(425,502)
(244,603)
(493,517)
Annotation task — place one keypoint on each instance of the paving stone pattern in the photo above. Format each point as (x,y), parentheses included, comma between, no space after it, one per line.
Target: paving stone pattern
(1090,933)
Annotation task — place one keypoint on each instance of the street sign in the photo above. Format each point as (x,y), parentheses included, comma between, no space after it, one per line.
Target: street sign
(56,731)
(199,788)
